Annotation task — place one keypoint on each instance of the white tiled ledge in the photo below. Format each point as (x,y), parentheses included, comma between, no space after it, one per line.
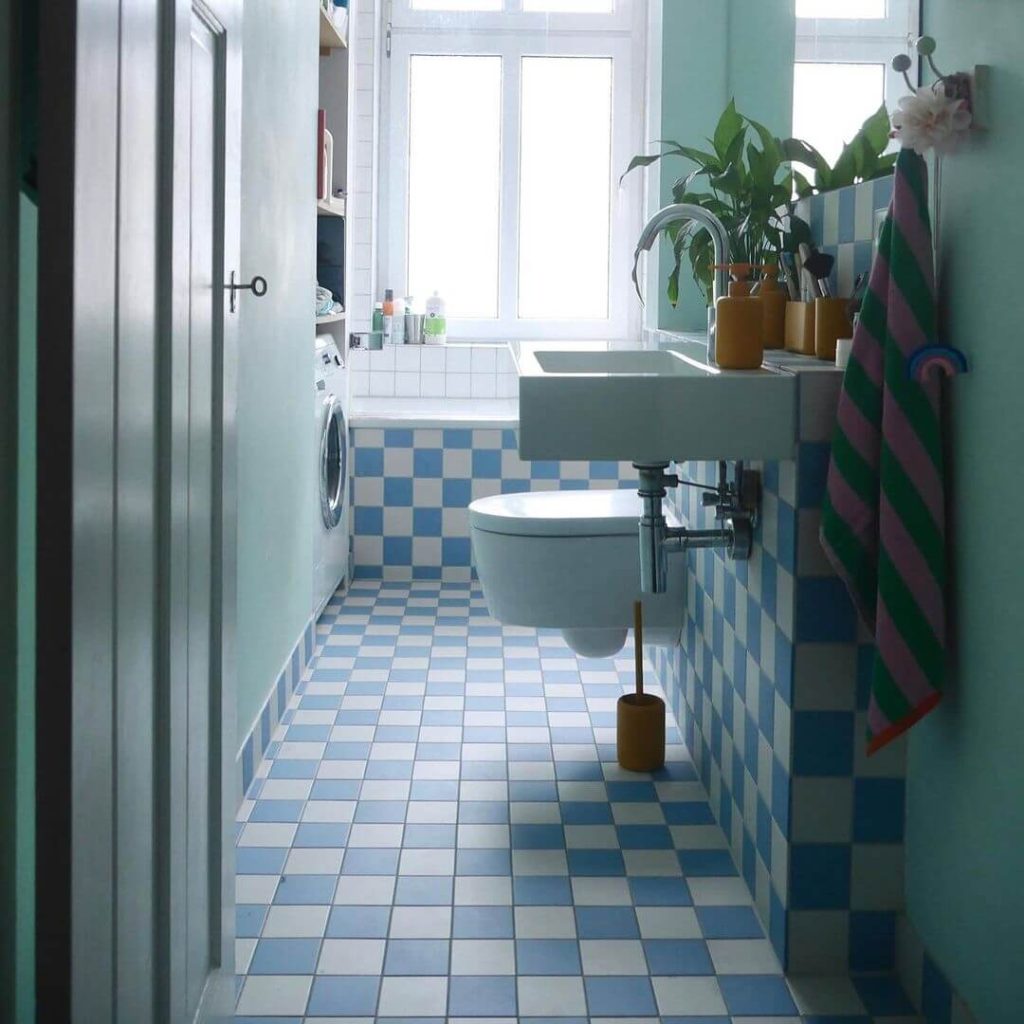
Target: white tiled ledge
(426,371)
(493,413)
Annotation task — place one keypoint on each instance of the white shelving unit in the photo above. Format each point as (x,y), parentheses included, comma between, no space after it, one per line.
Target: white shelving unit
(337,85)
(331,318)
(332,207)
(330,37)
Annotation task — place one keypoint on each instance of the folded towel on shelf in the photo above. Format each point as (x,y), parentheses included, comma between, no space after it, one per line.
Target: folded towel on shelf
(883,522)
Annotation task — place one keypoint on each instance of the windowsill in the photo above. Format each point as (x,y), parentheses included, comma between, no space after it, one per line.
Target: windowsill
(468,413)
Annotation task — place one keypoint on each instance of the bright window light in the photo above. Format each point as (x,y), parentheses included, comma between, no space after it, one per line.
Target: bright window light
(569,6)
(831,101)
(841,9)
(565,187)
(457,5)
(454,181)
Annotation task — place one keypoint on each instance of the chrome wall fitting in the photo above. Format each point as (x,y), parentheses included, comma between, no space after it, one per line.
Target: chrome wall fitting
(736,502)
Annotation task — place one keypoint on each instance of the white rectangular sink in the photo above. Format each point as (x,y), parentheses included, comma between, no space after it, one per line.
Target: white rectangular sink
(650,406)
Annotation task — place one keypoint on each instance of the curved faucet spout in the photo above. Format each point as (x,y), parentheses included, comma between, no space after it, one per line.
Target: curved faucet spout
(686,212)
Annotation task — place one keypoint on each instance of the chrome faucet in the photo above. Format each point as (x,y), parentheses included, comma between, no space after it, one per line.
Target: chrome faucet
(719,239)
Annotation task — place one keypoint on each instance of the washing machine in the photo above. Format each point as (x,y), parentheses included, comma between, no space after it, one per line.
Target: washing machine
(331,506)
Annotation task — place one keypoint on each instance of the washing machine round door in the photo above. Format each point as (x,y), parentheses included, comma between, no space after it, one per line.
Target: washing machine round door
(333,462)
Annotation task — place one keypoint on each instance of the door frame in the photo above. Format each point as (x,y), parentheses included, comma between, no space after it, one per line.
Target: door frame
(90,871)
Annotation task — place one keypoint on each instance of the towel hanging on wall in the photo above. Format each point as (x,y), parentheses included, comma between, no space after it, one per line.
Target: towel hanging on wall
(883,522)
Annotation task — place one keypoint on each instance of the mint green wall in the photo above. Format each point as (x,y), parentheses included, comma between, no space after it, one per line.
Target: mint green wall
(713,50)
(965,799)
(275,410)
(25,850)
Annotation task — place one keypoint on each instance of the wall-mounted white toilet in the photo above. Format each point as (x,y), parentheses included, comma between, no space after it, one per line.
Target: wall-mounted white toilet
(569,560)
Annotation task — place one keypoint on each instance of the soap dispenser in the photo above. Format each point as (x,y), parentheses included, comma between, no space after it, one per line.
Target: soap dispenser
(739,323)
(773,299)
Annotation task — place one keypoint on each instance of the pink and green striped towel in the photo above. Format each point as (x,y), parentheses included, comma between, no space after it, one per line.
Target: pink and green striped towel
(883,522)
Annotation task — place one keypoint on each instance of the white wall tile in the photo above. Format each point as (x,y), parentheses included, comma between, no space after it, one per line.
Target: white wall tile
(382,383)
(432,385)
(458,359)
(458,385)
(407,358)
(407,385)
(432,359)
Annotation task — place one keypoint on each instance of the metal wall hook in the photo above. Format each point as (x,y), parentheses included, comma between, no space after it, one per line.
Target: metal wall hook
(258,286)
(926,46)
(902,63)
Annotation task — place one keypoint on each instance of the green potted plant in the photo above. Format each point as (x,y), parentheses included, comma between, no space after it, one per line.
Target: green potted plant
(748,180)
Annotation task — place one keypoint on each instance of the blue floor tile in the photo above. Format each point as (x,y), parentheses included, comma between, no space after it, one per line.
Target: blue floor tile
(482,923)
(481,996)
(621,996)
(255,860)
(596,862)
(537,837)
(547,956)
(350,922)
(423,890)
(315,834)
(416,957)
(370,861)
(344,997)
(606,923)
(678,956)
(285,956)
(660,892)
(305,890)
(756,995)
(586,813)
(729,923)
(483,862)
(542,890)
(706,863)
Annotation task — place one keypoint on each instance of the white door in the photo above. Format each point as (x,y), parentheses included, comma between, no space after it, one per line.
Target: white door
(139,159)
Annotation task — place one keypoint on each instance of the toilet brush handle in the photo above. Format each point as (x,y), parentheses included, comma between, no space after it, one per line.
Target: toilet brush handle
(638,644)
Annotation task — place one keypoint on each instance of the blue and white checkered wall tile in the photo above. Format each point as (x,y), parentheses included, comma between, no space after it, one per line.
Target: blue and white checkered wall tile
(844,224)
(735,678)
(255,744)
(411,489)
(925,982)
(772,673)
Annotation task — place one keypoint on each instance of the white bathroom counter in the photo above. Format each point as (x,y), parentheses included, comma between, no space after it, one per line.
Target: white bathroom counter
(479,413)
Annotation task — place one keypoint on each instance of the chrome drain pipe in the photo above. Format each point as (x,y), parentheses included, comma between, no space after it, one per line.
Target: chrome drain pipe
(735,510)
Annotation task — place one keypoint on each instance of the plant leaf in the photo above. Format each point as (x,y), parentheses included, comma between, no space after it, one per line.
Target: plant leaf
(876,130)
(641,161)
(730,124)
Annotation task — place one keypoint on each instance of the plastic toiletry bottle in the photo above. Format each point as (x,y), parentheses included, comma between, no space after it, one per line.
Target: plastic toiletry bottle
(377,324)
(773,307)
(435,324)
(398,323)
(388,308)
(739,327)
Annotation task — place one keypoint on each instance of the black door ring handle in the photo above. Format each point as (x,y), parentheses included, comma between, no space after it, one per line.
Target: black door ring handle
(258,286)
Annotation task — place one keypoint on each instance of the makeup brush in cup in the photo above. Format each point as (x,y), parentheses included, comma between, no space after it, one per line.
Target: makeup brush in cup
(820,265)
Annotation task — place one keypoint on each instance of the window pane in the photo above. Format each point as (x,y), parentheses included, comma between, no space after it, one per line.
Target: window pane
(454,162)
(457,5)
(565,187)
(831,101)
(569,6)
(840,8)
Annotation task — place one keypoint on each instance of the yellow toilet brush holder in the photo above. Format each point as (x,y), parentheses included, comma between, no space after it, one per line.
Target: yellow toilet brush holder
(640,717)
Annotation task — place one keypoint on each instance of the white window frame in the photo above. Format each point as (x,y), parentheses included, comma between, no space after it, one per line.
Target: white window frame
(513,34)
(864,41)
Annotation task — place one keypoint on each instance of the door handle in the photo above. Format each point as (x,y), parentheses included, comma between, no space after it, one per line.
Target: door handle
(258,286)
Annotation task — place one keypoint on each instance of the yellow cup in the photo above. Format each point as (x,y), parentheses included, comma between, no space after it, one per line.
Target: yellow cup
(800,327)
(830,323)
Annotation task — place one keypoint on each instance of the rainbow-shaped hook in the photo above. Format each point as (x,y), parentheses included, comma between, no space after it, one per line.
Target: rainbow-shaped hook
(948,360)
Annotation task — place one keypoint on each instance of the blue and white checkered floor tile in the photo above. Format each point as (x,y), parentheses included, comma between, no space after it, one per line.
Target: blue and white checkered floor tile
(440,830)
